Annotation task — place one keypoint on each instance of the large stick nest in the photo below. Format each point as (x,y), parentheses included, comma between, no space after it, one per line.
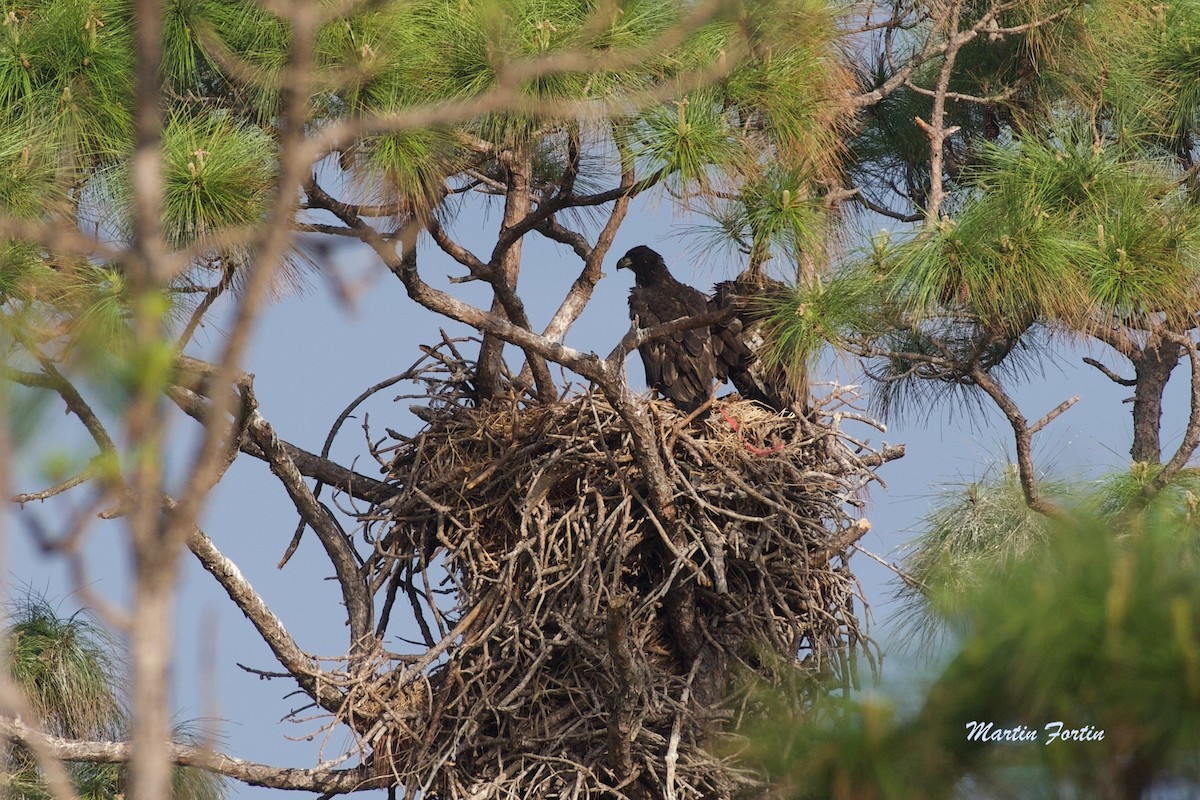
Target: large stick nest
(596,647)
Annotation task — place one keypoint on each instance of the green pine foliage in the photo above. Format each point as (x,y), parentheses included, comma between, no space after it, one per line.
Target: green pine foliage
(67,66)
(68,669)
(1056,231)
(1179,501)
(1094,627)
(811,315)
(218,174)
(1067,207)
(973,531)
(981,529)
(69,672)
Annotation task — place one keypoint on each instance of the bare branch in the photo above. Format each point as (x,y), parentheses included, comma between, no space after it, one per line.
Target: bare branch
(581,290)
(503,270)
(934,48)
(319,779)
(1108,373)
(868,203)
(228,271)
(990,100)
(1024,438)
(56,489)
(51,378)
(456,251)
(554,231)
(636,336)
(300,665)
(339,549)
(1053,414)
(936,130)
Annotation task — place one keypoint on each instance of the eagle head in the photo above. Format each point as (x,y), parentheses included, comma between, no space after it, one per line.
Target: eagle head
(648,266)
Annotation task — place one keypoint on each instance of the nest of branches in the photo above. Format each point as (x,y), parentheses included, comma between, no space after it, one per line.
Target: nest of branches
(581,641)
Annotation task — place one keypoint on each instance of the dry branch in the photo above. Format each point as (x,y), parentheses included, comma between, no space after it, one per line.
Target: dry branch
(316,779)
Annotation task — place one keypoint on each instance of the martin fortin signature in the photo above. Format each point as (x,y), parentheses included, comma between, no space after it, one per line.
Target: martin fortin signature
(1054,732)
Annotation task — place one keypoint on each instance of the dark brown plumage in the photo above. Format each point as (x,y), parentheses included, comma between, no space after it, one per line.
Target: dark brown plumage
(755,377)
(682,367)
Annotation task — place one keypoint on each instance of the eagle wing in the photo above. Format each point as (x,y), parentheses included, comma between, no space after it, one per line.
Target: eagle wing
(741,342)
(682,366)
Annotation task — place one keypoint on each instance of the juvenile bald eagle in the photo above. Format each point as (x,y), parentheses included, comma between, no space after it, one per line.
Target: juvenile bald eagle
(684,366)
(755,376)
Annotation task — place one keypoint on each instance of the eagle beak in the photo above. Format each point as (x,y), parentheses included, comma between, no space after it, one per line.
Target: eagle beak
(624,263)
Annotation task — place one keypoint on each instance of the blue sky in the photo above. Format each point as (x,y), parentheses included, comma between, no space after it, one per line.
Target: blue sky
(313,354)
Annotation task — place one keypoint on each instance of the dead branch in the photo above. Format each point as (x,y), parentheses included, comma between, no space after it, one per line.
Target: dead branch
(936,130)
(359,606)
(1024,438)
(318,779)
(1108,373)
(300,665)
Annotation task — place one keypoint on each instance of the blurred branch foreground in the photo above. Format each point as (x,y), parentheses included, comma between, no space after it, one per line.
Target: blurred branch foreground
(614,573)
(597,579)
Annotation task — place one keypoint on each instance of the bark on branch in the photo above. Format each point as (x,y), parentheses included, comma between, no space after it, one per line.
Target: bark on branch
(300,665)
(1024,438)
(355,594)
(318,779)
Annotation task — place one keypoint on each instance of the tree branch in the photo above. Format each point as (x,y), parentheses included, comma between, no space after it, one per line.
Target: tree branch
(1024,438)
(1108,373)
(936,130)
(51,378)
(581,290)
(299,664)
(319,779)
(635,337)
(882,210)
(57,489)
(355,594)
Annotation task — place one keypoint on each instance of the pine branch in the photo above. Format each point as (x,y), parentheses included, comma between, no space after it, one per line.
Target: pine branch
(318,779)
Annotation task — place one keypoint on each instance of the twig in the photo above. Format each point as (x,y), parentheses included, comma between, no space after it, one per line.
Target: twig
(1108,373)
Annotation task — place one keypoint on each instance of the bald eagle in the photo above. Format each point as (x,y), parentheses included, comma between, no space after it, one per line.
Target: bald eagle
(684,366)
(756,377)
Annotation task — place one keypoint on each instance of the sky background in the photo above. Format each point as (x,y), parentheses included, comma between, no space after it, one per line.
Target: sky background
(314,352)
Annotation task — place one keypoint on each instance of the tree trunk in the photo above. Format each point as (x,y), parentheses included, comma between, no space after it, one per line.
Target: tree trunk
(516,207)
(1152,365)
